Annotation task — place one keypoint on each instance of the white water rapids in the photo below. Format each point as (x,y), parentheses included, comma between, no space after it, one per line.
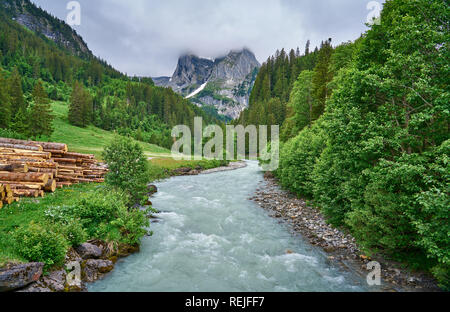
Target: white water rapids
(212,238)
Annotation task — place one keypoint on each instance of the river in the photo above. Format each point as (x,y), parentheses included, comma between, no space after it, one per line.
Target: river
(210,238)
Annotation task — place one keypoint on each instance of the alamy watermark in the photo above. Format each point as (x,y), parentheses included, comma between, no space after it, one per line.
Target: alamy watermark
(74,16)
(73,278)
(236,147)
(374,277)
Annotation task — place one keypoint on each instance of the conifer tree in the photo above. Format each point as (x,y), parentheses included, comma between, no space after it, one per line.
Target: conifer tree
(76,105)
(41,113)
(301,102)
(22,122)
(81,106)
(16,93)
(322,77)
(5,105)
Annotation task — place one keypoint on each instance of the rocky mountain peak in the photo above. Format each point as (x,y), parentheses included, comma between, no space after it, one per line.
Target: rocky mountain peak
(224,83)
(192,69)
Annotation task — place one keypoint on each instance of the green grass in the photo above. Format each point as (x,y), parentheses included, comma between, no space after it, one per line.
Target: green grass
(90,140)
(31,209)
(83,140)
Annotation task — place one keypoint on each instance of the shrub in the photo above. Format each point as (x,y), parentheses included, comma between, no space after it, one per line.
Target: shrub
(99,214)
(40,243)
(298,158)
(131,225)
(96,208)
(128,168)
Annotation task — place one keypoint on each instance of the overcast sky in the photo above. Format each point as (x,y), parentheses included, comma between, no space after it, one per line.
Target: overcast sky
(146,37)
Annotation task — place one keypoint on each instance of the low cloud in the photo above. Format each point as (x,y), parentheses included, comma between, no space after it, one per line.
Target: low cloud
(146,37)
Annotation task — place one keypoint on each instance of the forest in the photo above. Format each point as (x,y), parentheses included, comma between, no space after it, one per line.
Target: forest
(96,92)
(365,132)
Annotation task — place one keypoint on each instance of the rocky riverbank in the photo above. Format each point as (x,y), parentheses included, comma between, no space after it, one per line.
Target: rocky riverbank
(88,262)
(341,247)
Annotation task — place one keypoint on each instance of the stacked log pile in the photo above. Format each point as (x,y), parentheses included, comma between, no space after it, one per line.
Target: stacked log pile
(30,168)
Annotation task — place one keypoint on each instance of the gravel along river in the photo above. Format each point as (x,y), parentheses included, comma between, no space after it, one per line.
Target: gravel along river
(211,238)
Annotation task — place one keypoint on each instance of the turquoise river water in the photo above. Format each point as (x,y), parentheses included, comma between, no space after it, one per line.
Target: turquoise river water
(210,237)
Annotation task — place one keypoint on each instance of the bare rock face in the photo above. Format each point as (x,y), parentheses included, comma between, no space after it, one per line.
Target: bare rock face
(19,276)
(28,15)
(224,83)
(89,251)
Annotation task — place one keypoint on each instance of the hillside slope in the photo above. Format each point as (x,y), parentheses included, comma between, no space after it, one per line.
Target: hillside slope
(42,23)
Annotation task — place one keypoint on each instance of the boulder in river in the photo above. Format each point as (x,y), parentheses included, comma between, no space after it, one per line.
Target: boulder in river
(89,251)
(19,276)
(93,269)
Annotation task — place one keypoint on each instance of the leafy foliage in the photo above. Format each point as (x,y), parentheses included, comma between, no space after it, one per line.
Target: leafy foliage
(38,243)
(377,160)
(128,168)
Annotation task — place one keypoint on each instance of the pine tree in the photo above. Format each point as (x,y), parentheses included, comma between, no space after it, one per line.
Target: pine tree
(41,113)
(81,106)
(308,44)
(22,122)
(322,77)
(5,105)
(16,93)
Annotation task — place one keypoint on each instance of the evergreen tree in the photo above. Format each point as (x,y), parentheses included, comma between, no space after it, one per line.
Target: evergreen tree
(76,105)
(5,105)
(81,106)
(41,113)
(301,103)
(22,122)
(322,77)
(16,93)
(308,44)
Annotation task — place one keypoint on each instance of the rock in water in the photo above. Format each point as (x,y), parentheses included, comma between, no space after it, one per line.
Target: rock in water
(19,276)
(89,251)
(93,269)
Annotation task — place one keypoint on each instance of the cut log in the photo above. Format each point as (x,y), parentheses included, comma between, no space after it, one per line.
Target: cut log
(37,148)
(26,186)
(45,145)
(24,177)
(9,183)
(18,168)
(50,186)
(9,200)
(65,160)
(26,193)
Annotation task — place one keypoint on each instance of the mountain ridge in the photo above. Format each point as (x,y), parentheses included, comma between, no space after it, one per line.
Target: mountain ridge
(224,83)
(43,23)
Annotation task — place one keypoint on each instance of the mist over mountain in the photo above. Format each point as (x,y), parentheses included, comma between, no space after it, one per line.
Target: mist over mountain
(224,83)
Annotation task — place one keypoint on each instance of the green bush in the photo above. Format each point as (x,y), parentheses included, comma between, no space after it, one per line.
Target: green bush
(128,168)
(298,158)
(382,222)
(99,214)
(73,231)
(96,208)
(40,243)
(131,225)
